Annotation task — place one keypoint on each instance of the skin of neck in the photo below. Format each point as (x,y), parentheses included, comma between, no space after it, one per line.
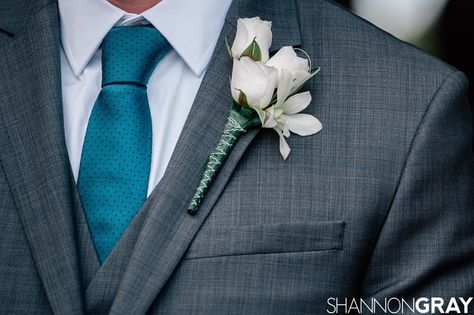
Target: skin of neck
(134,6)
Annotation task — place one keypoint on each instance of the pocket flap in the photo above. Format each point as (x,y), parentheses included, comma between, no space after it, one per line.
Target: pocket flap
(264,239)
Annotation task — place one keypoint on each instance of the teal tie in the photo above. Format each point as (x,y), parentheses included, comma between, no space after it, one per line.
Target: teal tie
(115,161)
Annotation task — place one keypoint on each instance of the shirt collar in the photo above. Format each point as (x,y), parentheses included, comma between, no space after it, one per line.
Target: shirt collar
(192,28)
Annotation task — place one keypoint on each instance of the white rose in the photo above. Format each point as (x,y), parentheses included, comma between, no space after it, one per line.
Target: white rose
(286,59)
(253,83)
(248,30)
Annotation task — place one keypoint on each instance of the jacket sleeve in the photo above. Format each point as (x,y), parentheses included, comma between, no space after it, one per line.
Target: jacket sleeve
(426,245)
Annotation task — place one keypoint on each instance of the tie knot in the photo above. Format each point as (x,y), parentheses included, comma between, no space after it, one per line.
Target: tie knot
(131,53)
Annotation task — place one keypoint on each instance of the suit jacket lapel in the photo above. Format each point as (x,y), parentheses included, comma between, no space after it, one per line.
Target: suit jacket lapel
(33,152)
(168,230)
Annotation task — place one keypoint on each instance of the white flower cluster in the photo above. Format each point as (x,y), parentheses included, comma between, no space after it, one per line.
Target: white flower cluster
(270,85)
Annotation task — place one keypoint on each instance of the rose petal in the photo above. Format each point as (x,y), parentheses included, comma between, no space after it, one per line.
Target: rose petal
(285,80)
(302,124)
(249,29)
(286,58)
(255,80)
(264,39)
(272,80)
(241,38)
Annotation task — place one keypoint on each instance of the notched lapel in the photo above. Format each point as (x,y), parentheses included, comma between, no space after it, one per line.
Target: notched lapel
(168,230)
(34,156)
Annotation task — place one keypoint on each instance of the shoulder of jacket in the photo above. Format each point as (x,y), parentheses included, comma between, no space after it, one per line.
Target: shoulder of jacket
(352,35)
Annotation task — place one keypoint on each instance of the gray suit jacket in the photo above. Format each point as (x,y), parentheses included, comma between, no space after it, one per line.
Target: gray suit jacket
(379,204)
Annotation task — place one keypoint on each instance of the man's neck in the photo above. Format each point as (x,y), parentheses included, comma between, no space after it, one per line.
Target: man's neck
(134,6)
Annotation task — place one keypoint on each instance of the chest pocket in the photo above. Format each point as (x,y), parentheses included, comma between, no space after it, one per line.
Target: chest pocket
(266,239)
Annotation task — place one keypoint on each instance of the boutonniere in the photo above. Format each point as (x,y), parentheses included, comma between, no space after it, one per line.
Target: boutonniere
(266,94)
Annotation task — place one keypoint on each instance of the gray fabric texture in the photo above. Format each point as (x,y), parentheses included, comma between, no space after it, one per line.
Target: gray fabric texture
(378,204)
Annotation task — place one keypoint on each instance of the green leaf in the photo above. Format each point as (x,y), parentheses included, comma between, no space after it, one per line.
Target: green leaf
(261,114)
(253,51)
(229,50)
(313,72)
(243,99)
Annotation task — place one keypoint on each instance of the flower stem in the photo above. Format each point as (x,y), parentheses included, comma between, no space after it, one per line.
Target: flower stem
(239,121)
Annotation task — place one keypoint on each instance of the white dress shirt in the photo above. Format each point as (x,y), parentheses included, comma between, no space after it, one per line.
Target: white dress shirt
(192,27)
